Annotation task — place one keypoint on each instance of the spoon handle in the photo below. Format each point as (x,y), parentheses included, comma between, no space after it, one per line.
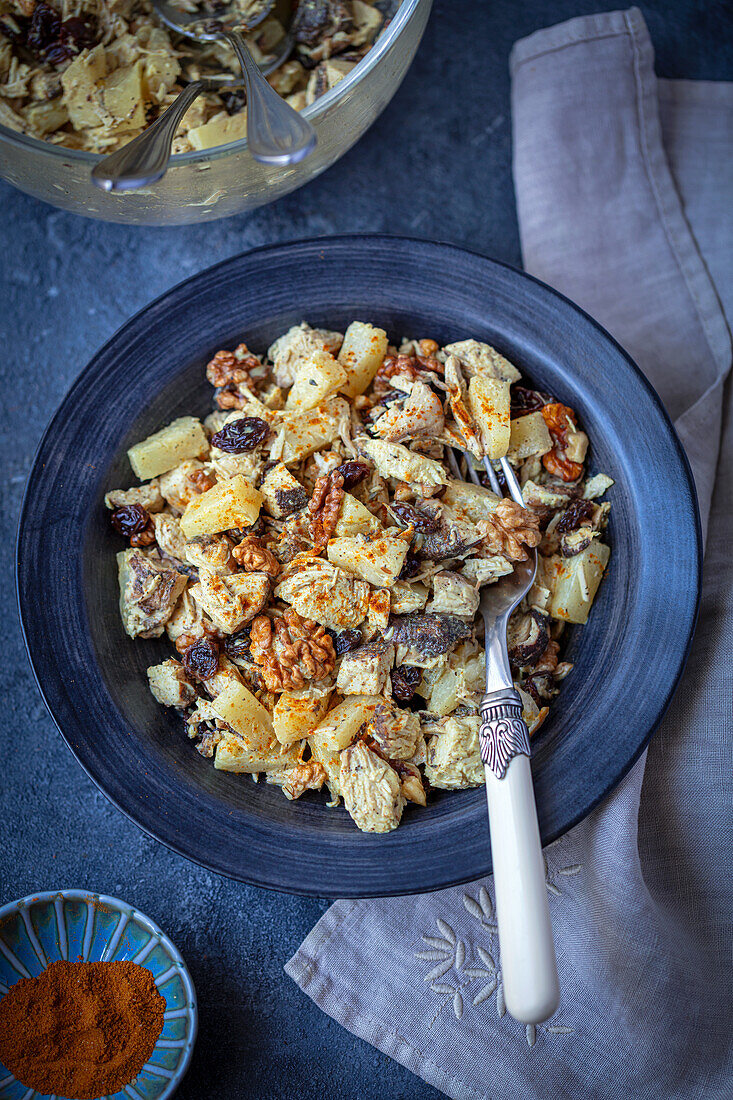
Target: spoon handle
(145,159)
(276,133)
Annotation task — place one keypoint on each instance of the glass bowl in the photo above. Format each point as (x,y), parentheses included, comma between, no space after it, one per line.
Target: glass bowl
(215,183)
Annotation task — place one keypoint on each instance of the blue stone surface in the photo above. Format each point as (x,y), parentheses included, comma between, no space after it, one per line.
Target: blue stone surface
(436,164)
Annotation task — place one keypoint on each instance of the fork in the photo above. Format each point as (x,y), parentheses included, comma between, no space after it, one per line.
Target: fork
(528,965)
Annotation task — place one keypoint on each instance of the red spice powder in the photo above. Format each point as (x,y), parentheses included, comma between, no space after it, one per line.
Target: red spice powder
(81,1030)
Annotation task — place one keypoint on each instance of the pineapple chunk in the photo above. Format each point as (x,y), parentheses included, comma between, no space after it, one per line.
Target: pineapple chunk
(183,438)
(230,503)
(488,399)
(574,582)
(355,518)
(124,99)
(237,706)
(469,502)
(529,437)
(312,430)
(81,82)
(362,353)
(317,378)
(378,561)
(282,494)
(296,717)
(219,130)
(340,726)
(239,754)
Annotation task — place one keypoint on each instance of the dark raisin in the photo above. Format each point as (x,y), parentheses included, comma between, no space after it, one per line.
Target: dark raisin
(410,568)
(45,28)
(405,680)
(573,517)
(525,401)
(236,646)
(202,659)
(234,102)
(241,435)
(353,472)
(78,33)
(486,482)
(346,640)
(130,520)
(409,514)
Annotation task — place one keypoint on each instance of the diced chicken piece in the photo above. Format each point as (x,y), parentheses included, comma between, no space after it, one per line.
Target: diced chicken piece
(406,597)
(364,671)
(453,595)
(394,460)
(597,486)
(480,571)
(396,732)
(169,536)
(371,789)
(231,601)
(460,407)
(453,759)
(319,590)
(148,495)
(420,417)
(298,343)
(188,618)
(149,591)
(170,685)
(212,552)
(478,358)
(179,487)
(282,494)
(249,464)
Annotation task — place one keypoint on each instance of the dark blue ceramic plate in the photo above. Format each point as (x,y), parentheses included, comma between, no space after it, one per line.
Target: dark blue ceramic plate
(627,659)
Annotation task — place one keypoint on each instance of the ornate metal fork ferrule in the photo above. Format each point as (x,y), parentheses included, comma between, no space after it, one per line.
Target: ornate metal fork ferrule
(503,733)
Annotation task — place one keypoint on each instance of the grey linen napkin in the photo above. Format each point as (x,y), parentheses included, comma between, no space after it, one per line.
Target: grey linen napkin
(623,189)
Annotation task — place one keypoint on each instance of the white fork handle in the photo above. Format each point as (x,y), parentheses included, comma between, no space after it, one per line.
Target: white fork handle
(529,970)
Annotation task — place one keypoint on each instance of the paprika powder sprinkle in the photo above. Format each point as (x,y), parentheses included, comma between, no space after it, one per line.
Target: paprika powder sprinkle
(80,1029)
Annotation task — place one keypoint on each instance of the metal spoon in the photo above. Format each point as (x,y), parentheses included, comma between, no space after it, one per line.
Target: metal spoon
(276,133)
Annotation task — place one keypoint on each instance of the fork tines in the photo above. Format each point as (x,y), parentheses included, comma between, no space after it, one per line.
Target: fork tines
(464,465)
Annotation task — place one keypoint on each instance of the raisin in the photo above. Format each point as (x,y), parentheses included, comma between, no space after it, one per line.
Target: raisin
(345,640)
(409,514)
(353,472)
(405,680)
(234,101)
(202,659)
(241,435)
(410,568)
(130,520)
(236,646)
(572,518)
(524,401)
(78,33)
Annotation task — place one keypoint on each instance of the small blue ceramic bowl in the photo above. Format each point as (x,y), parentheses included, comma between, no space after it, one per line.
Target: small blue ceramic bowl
(77,925)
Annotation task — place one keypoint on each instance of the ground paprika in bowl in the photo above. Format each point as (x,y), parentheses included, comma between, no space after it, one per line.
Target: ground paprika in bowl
(81,1029)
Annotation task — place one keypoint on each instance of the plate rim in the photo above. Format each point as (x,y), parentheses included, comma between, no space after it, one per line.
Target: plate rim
(324,241)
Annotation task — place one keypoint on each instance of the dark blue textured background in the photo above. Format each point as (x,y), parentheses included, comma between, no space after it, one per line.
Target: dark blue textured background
(436,165)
